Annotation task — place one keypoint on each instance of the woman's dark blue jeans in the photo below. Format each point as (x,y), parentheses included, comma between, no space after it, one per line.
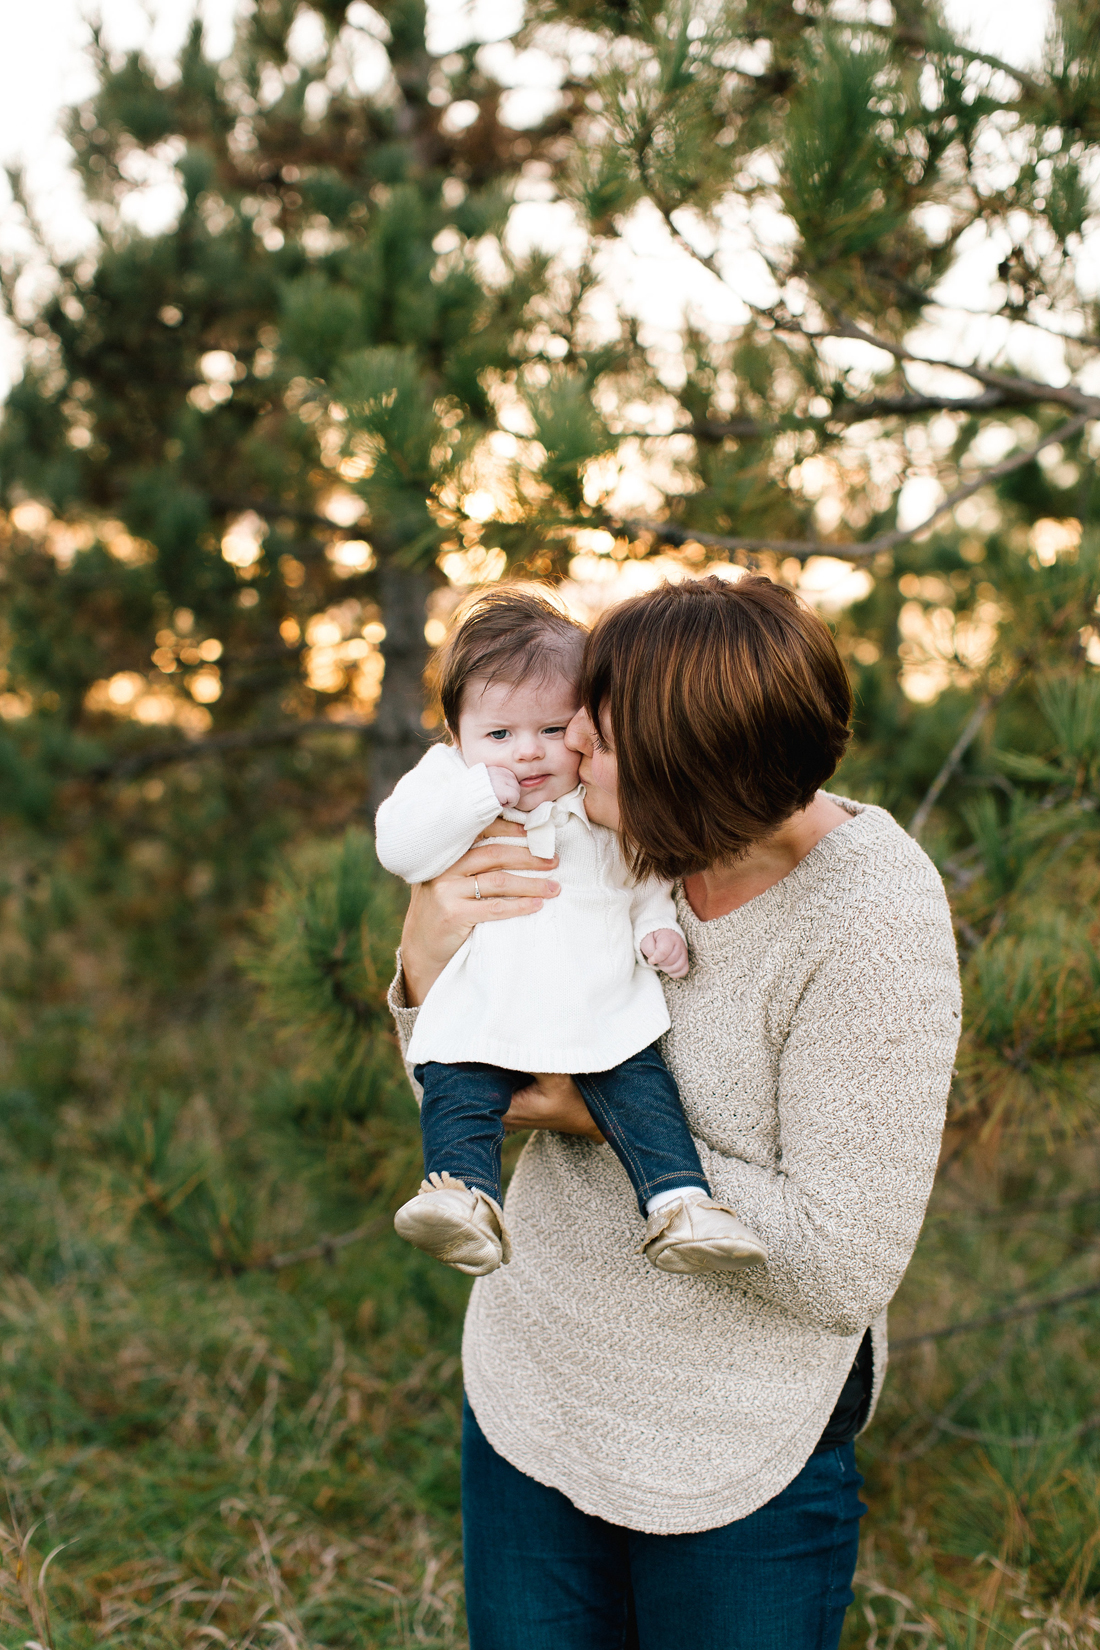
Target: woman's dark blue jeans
(542,1576)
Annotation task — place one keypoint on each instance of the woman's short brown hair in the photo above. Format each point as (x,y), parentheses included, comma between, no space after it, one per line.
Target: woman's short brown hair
(507,633)
(729,707)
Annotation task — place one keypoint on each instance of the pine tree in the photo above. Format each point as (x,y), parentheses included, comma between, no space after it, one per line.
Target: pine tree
(176,441)
(335,331)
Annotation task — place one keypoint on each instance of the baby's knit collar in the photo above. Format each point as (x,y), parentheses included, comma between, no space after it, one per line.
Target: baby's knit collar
(542,822)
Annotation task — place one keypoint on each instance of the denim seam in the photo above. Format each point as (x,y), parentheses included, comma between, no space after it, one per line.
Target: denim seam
(830,1583)
(691,1178)
(608,1124)
(470,1176)
(647,1187)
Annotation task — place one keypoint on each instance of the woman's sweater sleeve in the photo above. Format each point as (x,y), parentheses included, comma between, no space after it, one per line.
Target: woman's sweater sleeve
(404,1019)
(434,815)
(864,1073)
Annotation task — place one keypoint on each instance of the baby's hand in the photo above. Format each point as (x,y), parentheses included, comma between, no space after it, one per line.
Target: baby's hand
(665,949)
(506,786)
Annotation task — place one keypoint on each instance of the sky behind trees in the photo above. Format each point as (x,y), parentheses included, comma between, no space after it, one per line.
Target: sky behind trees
(44,68)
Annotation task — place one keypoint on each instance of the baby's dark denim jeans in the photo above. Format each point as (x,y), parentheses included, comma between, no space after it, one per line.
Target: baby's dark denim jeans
(636,1107)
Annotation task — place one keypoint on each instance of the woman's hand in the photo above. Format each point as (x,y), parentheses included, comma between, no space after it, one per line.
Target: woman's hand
(551,1102)
(443,912)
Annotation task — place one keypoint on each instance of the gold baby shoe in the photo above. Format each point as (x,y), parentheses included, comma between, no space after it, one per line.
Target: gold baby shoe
(700,1236)
(459,1225)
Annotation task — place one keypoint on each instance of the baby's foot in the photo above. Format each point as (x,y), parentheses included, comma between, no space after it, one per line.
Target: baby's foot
(459,1225)
(698,1235)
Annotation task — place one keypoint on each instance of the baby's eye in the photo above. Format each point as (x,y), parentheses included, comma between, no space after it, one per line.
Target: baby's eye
(557,729)
(498,733)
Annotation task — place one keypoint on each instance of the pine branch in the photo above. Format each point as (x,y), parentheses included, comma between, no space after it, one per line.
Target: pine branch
(846,413)
(1051,1303)
(958,751)
(988,703)
(1009,383)
(707,259)
(803,549)
(1013,387)
(326,1248)
(217,744)
(1008,312)
(908,36)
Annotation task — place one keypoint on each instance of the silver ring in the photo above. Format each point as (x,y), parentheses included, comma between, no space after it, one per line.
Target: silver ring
(477,890)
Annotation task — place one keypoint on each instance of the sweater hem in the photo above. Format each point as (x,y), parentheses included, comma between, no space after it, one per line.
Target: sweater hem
(552,1058)
(657,1511)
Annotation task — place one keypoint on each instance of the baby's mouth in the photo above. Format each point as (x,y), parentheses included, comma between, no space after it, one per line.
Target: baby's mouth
(530,782)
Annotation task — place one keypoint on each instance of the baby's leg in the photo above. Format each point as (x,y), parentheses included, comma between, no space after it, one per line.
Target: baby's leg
(456,1215)
(637,1106)
(461,1120)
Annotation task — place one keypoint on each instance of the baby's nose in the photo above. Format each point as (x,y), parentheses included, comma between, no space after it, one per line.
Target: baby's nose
(528,747)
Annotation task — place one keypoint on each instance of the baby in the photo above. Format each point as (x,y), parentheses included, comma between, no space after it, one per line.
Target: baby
(571,988)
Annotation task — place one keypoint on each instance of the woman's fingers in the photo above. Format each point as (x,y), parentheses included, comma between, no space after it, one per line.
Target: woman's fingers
(490,883)
(552,1101)
(498,856)
(502,896)
(463,897)
(499,910)
(503,827)
(482,886)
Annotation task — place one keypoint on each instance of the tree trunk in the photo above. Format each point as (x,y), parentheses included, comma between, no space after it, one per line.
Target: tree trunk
(399,736)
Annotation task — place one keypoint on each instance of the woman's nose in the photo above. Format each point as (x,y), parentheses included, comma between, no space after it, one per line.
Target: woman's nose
(578,735)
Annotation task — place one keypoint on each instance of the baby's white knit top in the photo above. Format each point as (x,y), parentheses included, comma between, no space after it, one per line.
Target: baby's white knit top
(813,1043)
(565,989)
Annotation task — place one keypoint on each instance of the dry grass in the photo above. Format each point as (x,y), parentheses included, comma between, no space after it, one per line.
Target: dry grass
(983,1465)
(196,1452)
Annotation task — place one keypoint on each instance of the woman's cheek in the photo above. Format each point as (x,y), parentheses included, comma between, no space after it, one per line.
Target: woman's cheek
(605,772)
(601,804)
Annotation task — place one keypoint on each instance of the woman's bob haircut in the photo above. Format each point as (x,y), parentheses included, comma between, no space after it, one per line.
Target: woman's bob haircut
(728,706)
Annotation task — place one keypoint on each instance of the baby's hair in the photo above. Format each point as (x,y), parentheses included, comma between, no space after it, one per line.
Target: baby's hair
(507,633)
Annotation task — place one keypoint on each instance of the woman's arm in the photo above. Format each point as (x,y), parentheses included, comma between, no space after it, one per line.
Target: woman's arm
(440,916)
(444,912)
(863,1081)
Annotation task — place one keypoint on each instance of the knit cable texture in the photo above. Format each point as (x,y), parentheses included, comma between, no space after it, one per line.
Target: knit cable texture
(813,1041)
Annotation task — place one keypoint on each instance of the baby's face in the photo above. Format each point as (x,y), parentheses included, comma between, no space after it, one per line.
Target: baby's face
(522,728)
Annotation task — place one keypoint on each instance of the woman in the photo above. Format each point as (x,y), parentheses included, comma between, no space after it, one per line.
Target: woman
(646,1458)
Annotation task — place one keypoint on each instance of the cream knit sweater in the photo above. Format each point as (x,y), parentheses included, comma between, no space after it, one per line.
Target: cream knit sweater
(813,1043)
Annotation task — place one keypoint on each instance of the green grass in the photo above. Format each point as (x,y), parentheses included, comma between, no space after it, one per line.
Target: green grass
(222,1453)
(230,1456)
(983,1465)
